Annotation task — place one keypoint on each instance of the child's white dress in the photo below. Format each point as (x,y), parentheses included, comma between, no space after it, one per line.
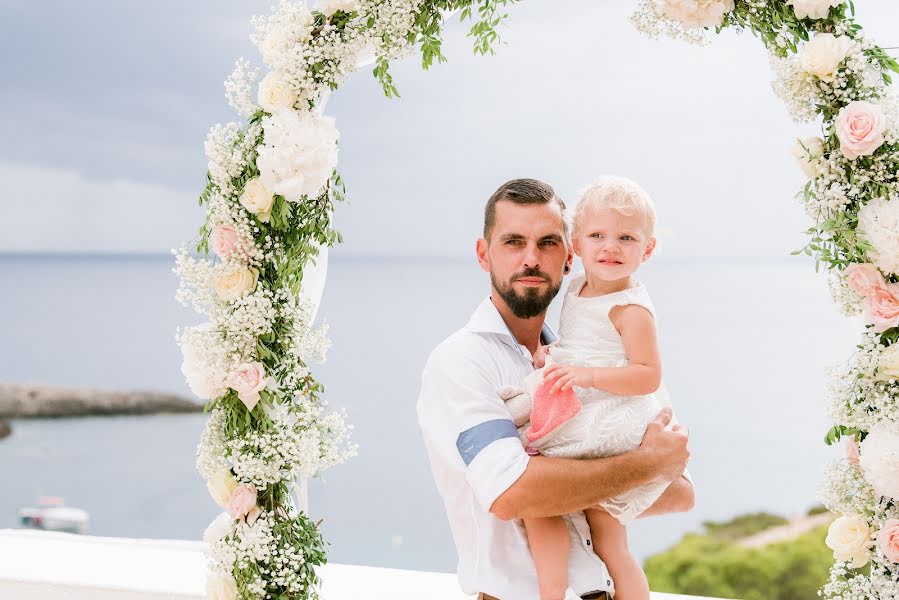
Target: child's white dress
(608,424)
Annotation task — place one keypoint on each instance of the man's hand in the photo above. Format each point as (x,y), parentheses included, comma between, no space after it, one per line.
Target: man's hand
(666,450)
(566,376)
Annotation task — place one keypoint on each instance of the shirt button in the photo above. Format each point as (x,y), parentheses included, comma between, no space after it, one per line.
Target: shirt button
(588,542)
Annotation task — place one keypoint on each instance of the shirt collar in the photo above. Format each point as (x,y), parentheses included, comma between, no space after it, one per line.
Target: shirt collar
(486,319)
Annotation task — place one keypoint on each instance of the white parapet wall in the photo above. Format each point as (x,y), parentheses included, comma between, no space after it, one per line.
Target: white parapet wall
(39,565)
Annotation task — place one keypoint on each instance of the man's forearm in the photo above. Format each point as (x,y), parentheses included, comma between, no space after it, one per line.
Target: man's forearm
(559,486)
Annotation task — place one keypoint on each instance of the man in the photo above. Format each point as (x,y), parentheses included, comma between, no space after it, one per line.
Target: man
(487,480)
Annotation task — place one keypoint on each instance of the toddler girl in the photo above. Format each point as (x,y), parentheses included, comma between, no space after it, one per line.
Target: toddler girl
(606,353)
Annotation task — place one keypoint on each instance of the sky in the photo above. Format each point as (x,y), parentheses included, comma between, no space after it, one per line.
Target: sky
(104,108)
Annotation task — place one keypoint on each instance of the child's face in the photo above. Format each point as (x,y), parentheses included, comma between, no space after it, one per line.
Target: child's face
(612,245)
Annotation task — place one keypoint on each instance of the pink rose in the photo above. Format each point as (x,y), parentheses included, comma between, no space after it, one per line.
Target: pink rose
(851,448)
(242,501)
(224,240)
(865,278)
(860,126)
(248,380)
(888,538)
(882,307)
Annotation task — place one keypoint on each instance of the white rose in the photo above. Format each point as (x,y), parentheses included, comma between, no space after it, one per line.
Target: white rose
(235,284)
(221,486)
(880,459)
(220,586)
(808,153)
(222,525)
(888,365)
(823,55)
(850,540)
(813,9)
(329,7)
(696,13)
(257,199)
(274,93)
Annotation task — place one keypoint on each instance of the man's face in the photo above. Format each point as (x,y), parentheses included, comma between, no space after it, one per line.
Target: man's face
(525,255)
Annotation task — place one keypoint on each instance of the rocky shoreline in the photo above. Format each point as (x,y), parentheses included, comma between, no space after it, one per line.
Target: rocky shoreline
(21,401)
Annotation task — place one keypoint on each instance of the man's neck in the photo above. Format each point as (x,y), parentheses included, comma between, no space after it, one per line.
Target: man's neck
(525,331)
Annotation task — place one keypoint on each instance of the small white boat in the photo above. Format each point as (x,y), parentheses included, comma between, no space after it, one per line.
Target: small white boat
(51,515)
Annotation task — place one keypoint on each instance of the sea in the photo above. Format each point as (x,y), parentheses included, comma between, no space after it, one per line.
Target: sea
(745,347)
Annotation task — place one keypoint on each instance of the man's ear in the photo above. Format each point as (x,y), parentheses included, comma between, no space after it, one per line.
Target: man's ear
(481,250)
(649,249)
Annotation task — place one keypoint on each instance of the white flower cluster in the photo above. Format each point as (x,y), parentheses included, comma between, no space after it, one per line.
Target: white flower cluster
(306,442)
(206,361)
(858,396)
(212,450)
(847,299)
(649,18)
(227,150)
(273,558)
(829,69)
(240,88)
(307,344)
(844,490)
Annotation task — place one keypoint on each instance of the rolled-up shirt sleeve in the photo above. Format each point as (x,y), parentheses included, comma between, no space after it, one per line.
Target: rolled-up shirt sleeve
(467,425)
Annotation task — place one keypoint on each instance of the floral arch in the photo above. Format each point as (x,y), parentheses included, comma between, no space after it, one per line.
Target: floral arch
(271,188)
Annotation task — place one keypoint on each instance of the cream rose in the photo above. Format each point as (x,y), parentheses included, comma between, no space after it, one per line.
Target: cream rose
(860,126)
(221,486)
(808,153)
(329,7)
(257,199)
(274,94)
(236,283)
(220,586)
(823,55)
(813,9)
(850,540)
(888,365)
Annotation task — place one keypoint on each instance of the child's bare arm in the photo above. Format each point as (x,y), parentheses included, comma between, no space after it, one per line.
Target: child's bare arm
(642,375)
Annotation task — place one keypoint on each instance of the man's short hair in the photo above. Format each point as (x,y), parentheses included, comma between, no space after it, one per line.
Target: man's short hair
(521,191)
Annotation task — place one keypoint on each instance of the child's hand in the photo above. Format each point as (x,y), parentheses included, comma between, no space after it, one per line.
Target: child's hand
(566,376)
(540,357)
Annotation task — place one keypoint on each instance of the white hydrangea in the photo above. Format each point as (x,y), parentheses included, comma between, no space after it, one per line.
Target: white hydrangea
(298,155)
(329,7)
(222,526)
(202,364)
(878,223)
(696,13)
(880,458)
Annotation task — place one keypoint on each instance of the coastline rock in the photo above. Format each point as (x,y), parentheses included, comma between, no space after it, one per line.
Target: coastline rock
(20,401)
(5,429)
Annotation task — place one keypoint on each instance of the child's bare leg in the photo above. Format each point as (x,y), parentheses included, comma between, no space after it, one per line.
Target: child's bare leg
(548,539)
(610,543)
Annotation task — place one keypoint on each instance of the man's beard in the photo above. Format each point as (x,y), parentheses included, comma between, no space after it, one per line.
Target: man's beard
(531,303)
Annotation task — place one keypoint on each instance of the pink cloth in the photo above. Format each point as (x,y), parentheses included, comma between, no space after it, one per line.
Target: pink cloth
(550,411)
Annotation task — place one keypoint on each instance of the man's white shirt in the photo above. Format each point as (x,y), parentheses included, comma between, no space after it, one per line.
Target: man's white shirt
(476,455)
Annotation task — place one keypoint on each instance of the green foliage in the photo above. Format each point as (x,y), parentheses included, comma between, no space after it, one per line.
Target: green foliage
(742,526)
(704,565)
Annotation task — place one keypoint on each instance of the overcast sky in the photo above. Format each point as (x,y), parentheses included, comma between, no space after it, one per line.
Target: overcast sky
(104,107)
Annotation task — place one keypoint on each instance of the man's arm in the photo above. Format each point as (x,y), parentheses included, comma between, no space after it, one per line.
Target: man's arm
(557,486)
